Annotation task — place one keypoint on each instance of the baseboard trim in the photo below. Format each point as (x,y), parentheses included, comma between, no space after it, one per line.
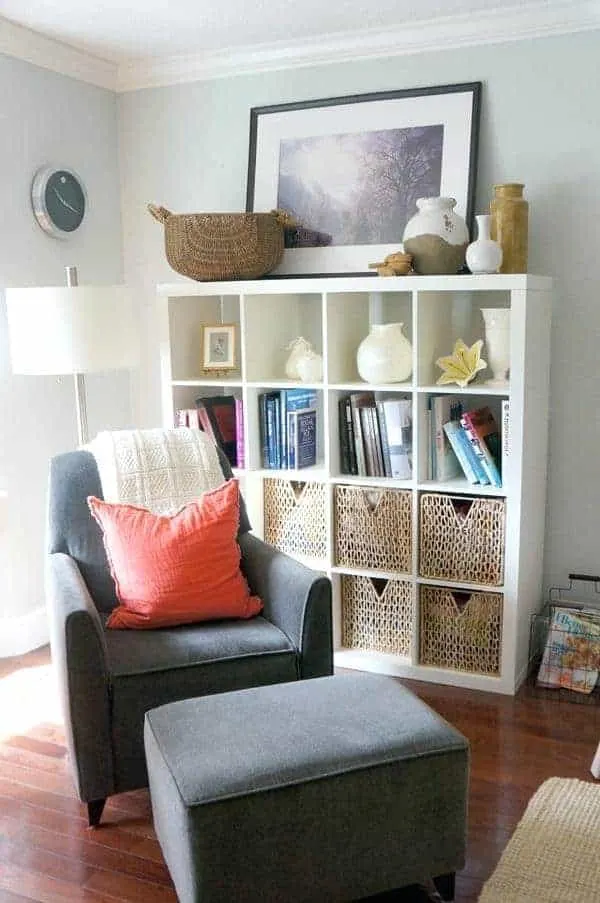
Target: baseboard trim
(23,633)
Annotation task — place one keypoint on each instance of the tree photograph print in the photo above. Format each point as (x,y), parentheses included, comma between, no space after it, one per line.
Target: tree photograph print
(360,188)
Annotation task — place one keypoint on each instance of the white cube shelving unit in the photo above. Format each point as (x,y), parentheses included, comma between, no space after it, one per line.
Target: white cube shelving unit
(333,313)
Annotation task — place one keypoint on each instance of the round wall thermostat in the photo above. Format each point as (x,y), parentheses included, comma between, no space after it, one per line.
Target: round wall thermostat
(59,200)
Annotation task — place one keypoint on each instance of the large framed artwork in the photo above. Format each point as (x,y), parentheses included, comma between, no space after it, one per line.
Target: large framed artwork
(349,170)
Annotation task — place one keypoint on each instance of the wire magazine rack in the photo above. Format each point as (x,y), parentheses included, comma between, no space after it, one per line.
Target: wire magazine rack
(564,643)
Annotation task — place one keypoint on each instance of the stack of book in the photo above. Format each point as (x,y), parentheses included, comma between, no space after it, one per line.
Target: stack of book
(288,428)
(222,417)
(464,442)
(375,431)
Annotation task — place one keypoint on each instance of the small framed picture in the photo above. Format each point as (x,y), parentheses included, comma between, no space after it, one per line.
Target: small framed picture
(218,347)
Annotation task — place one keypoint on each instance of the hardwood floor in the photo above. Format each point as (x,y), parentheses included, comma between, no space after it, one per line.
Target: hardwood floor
(49,855)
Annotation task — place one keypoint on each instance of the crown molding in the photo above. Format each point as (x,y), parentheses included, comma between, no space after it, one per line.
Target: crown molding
(487,27)
(492,26)
(50,54)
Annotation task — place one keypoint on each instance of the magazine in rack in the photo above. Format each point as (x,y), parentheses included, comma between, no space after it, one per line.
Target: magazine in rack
(571,657)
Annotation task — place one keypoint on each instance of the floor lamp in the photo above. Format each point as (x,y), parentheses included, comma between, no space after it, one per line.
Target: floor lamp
(71,329)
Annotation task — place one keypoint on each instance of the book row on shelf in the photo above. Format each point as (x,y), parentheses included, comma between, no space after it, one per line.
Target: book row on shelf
(375,433)
(287,421)
(288,428)
(464,441)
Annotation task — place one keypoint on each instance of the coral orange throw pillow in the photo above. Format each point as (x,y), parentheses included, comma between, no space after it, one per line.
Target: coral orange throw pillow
(179,568)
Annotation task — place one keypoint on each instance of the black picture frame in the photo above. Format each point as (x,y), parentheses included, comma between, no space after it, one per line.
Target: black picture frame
(299,153)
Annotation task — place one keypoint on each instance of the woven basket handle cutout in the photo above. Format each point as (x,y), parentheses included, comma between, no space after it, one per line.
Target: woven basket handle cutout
(297,489)
(462,510)
(160,214)
(460,602)
(379,584)
(371,499)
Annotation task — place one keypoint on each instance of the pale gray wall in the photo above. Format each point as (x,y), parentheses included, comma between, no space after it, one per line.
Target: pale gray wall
(48,118)
(186,147)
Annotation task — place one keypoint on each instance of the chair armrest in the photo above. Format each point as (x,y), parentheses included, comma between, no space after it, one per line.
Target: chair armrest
(79,656)
(296,599)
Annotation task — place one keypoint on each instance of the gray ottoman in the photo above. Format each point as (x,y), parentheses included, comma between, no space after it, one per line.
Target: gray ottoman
(319,790)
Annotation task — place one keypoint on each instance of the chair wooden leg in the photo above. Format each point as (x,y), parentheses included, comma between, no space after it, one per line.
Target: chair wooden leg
(95,809)
(445,885)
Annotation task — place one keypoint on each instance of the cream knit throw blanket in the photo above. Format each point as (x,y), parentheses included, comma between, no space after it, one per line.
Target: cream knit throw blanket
(158,469)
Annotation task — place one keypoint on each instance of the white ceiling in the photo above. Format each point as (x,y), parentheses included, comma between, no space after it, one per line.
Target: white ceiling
(119,31)
(151,34)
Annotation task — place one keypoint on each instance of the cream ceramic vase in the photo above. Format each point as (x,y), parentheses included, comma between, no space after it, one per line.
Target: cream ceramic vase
(497,343)
(298,348)
(484,255)
(310,367)
(437,237)
(385,355)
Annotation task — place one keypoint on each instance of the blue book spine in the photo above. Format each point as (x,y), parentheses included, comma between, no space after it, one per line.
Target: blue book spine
(264,431)
(283,427)
(455,434)
(475,460)
(481,449)
(294,400)
(297,399)
(305,438)
(271,432)
(277,410)
(291,441)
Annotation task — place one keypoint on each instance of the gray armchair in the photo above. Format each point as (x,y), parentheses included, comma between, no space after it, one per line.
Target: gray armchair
(110,678)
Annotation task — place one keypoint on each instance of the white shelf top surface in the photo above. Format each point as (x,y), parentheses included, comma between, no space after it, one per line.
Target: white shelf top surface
(332,284)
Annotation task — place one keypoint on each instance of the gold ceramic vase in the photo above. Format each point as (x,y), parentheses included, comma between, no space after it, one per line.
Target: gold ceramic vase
(509,226)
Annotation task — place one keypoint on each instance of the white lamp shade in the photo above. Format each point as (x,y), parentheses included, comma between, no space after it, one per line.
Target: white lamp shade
(76,329)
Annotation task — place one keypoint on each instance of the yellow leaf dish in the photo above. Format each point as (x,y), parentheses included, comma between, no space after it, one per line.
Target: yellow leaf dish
(462,365)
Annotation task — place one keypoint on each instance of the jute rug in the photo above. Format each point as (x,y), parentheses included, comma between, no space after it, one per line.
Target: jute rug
(554,854)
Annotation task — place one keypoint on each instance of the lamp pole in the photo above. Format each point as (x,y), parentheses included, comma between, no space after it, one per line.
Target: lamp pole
(79,378)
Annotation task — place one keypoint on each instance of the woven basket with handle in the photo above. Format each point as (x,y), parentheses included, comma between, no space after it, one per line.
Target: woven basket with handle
(206,246)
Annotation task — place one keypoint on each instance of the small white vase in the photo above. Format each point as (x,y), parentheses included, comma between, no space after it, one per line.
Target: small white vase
(385,355)
(298,348)
(484,255)
(436,236)
(310,367)
(497,343)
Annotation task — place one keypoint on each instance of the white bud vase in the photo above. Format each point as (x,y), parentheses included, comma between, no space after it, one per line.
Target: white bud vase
(497,343)
(385,355)
(484,255)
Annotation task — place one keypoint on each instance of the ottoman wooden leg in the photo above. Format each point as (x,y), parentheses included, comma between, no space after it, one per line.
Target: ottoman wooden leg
(95,809)
(596,764)
(445,885)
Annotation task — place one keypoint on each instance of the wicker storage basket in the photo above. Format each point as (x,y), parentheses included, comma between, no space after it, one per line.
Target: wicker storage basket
(294,517)
(207,246)
(373,528)
(462,538)
(377,614)
(463,637)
